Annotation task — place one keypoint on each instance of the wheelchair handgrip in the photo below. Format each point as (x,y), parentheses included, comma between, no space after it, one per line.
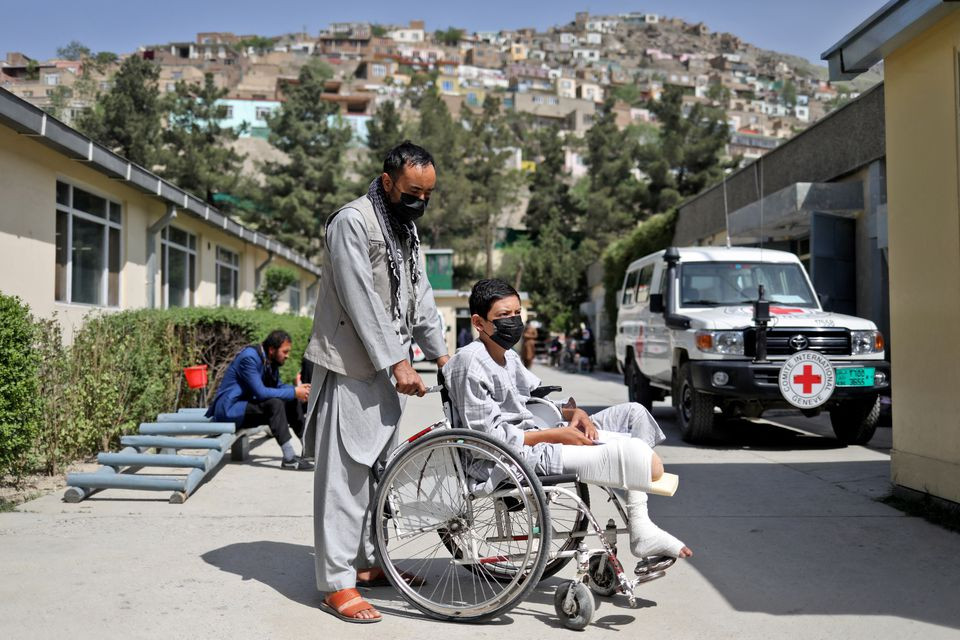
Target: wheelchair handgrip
(542,392)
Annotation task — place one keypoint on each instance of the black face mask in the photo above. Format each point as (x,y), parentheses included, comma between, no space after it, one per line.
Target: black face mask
(508,331)
(409,209)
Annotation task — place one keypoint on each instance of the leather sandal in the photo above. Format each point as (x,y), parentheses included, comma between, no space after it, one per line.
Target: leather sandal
(346,604)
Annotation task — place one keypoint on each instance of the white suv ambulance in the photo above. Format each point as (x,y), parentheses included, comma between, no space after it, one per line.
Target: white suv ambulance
(741,329)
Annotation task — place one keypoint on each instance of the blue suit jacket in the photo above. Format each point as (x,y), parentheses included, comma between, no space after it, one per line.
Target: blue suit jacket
(248,378)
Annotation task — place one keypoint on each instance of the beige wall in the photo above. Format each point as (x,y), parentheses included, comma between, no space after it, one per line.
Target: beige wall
(924,224)
(28,175)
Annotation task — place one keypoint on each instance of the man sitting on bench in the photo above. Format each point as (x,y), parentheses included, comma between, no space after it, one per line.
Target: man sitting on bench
(252,395)
(489,388)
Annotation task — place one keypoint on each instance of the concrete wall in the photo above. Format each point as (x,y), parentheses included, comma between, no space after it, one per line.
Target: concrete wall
(841,143)
(924,225)
(28,175)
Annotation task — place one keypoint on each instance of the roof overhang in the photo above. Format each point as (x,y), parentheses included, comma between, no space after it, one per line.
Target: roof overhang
(786,213)
(893,25)
(29,120)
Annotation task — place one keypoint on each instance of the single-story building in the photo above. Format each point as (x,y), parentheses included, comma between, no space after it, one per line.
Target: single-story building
(83,229)
(918,42)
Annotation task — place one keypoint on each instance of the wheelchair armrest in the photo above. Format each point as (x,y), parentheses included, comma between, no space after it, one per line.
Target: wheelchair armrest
(542,392)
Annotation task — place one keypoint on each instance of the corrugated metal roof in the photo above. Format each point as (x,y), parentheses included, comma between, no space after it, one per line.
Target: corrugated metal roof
(29,120)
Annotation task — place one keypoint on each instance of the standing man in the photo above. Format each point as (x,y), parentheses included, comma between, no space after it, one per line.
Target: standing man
(251,395)
(374,299)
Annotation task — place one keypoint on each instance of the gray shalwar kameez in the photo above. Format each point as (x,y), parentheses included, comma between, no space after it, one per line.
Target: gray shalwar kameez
(352,419)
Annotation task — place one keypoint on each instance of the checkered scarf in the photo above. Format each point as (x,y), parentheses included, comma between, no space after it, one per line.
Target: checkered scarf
(395,232)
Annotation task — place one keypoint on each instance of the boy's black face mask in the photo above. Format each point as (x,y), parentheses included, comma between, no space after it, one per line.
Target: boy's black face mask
(508,331)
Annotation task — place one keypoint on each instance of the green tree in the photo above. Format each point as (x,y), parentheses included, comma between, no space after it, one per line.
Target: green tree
(445,224)
(612,202)
(789,92)
(384,132)
(196,154)
(493,186)
(550,198)
(686,155)
(276,280)
(260,44)
(555,273)
(126,119)
(302,191)
(450,37)
(73,51)
(59,100)
(629,93)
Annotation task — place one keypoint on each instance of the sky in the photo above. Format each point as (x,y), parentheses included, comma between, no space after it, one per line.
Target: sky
(802,28)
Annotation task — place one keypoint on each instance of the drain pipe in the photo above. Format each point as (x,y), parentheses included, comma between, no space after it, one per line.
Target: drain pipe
(152,232)
(259,269)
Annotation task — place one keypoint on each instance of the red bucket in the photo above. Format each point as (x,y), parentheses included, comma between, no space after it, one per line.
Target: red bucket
(196,376)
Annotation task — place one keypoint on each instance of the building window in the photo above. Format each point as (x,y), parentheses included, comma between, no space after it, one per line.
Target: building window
(262,113)
(228,112)
(52,79)
(294,292)
(87,247)
(179,267)
(228,277)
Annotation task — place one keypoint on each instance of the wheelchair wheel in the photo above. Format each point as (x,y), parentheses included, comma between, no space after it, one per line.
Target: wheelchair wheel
(567,525)
(430,521)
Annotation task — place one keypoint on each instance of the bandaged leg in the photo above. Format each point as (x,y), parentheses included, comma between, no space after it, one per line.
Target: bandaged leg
(619,463)
(646,538)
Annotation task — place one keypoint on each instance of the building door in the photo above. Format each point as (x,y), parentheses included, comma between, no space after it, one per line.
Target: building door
(833,267)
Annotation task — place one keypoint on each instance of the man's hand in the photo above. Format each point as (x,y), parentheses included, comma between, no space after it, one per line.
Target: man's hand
(408,381)
(580,420)
(442,360)
(302,391)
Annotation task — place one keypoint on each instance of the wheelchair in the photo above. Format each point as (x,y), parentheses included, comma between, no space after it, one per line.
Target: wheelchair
(458,507)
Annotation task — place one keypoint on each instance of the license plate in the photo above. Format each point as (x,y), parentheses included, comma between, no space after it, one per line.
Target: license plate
(855,377)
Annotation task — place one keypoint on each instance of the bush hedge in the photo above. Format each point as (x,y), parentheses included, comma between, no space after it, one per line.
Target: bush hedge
(19,365)
(123,368)
(653,234)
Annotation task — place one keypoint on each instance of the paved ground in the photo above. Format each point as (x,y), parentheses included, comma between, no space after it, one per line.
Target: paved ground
(788,538)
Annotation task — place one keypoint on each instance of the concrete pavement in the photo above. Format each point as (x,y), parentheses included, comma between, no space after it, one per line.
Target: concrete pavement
(788,542)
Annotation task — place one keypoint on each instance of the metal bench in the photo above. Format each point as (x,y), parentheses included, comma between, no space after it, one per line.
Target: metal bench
(159,445)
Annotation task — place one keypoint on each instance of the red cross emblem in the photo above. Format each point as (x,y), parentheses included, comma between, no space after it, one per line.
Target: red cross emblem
(807,379)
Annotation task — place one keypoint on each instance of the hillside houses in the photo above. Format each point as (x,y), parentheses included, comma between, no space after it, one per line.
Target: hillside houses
(558,76)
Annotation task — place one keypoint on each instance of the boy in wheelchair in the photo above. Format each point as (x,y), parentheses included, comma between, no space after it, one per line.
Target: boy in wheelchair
(489,388)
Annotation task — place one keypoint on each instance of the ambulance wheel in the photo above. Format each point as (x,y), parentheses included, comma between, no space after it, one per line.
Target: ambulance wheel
(694,409)
(855,421)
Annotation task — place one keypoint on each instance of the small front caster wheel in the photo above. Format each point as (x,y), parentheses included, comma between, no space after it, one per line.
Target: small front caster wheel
(603,576)
(576,613)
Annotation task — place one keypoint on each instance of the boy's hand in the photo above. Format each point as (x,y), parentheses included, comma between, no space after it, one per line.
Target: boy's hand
(581,421)
(569,435)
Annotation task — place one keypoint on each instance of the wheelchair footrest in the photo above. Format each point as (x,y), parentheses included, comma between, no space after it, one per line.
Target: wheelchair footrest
(653,565)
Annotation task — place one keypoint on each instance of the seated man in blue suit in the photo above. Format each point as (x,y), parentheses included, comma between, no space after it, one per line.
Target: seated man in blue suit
(251,395)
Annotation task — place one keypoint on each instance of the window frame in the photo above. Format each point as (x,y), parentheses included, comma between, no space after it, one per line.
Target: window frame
(107,223)
(234,268)
(165,244)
